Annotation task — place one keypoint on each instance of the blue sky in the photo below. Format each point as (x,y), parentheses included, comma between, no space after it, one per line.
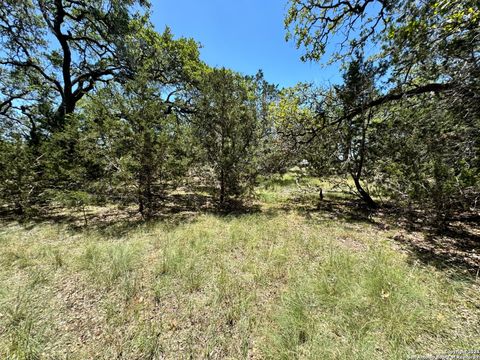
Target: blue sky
(244,35)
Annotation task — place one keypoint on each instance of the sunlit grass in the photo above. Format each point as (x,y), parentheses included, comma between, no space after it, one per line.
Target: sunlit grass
(266,285)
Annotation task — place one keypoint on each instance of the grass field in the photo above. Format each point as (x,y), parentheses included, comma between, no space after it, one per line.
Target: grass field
(279,283)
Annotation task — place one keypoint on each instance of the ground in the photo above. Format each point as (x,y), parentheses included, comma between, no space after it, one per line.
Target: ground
(291,278)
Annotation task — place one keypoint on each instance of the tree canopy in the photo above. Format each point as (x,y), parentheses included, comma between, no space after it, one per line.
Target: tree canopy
(55,52)
(97,106)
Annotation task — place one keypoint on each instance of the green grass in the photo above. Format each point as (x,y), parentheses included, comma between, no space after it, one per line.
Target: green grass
(351,306)
(276,285)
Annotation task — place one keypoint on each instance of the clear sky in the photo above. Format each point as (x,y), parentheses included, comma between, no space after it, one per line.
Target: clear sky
(243,35)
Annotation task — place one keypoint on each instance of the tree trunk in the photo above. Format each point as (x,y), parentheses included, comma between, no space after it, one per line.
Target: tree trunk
(145,201)
(148,196)
(361,160)
(146,176)
(141,206)
(85,219)
(222,187)
(364,195)
(19,208)
(142,200)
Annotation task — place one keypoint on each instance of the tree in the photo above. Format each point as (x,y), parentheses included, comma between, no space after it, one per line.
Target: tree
(17,174)
(55,51)
(139,127)
(424,53)
(269,157)
(422,47)
(356,92)
(427,155)
(340,150)
(226,127)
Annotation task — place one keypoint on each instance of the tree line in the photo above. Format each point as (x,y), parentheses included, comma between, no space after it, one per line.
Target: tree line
(98,107)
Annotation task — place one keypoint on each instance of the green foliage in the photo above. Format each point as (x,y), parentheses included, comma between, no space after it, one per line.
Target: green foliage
(227,128)
(43,42)
(308,119)
(17,175)
(77,200)
(96,107)
(434,163)
(42,83)
(140,143)
(428,61)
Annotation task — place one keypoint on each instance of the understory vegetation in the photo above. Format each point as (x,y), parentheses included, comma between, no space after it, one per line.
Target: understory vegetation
(97,108)
(154,206)
(276,283)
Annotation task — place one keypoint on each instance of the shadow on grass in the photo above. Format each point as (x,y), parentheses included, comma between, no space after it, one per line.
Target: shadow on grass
(334,206)
(115,221)
(109,222)
(456,246)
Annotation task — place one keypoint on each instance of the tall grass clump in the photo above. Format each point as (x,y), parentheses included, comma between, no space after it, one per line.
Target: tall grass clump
(21,328)
(108,263)
(357,305)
